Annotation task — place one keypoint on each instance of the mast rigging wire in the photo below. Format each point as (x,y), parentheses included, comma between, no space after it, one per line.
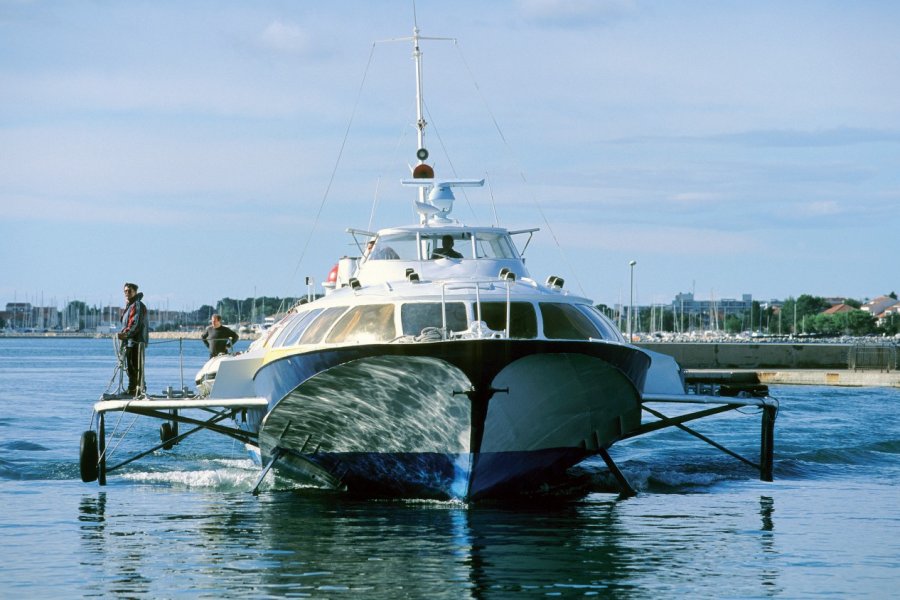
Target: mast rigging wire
(440,140)
(337,163)
(394,154)
(449,160)
(521,171)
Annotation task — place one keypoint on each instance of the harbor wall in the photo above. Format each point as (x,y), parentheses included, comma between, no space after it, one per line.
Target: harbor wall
(768,355)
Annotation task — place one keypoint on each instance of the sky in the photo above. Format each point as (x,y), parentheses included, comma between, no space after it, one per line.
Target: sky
(211,149)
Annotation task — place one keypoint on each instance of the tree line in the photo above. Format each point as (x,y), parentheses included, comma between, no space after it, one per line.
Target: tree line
(796,316)
(249,310)
(803,315)
(78,315)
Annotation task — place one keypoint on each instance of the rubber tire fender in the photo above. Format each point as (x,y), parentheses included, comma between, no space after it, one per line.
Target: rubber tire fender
(88,456)
(166,433)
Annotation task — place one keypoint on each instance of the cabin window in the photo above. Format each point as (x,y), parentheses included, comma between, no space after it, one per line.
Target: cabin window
(447,245)
(493,245)
(608,330)
(290,323)
(566,322)
(366,324)
(320,325)
(523,321)
(294,330)
(396,246)
(415,317)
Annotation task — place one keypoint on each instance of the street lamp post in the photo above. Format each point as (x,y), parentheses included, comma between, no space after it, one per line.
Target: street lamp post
(631,300)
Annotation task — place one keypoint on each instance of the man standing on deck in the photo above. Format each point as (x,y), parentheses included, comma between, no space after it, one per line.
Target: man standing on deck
(135,334)
(217,336)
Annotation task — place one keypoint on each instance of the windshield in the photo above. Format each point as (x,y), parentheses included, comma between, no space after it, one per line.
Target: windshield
(442,244)
(493,245)
(607,329)
(292,330)
(523,321)
(418,316)
(397,246)
(366,324)
(566,322)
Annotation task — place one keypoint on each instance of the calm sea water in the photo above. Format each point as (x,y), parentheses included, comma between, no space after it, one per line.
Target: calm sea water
(182,523)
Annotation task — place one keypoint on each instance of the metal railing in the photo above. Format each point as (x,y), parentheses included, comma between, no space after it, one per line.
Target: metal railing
(880,356)
(475,285)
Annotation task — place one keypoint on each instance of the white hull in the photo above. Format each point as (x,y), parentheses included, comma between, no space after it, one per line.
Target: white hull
(386,425)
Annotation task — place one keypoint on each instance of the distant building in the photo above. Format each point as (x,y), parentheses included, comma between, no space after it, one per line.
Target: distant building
(890,313)
(708,313)
(835,301)
(22,315)
(20,309)
(838,308)
(878,305)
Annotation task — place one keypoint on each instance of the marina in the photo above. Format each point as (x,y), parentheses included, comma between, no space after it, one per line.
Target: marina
(182,522)
(428,374)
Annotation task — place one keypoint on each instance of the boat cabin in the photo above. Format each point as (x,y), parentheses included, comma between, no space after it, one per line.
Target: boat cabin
(422,320)
(432,253)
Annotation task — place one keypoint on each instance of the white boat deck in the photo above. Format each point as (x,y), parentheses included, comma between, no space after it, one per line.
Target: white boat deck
(164,402)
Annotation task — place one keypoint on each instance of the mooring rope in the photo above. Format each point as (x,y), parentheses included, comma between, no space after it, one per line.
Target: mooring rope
(107,451)
(120,367)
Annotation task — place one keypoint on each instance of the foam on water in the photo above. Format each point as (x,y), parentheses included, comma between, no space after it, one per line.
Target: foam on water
(222,475)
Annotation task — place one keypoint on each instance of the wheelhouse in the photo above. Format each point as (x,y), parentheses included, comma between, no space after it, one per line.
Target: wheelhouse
(426,244)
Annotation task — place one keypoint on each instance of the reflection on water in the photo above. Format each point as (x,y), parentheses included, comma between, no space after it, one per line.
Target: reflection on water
(181,523)
(768,573)
(290,543)
(92,515)
(766,508)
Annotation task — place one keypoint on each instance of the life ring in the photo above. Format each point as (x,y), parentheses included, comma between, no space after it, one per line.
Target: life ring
(88,456)
(332,275)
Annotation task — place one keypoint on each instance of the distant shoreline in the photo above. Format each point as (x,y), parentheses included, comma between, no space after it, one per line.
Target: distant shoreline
(154,335)
(790,363)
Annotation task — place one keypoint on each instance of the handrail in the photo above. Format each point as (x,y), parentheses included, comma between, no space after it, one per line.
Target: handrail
(475,285)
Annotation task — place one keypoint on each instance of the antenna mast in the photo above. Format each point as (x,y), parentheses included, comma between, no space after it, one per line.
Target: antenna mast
(420,102)
(421,152)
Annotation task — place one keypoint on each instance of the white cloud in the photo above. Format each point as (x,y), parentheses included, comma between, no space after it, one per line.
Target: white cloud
(148,92)
(576,12)
(744,130)
(286,37)
(696,197)
(657,239)
(821,208)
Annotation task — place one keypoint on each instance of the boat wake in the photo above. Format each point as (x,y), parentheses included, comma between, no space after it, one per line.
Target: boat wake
(215,474)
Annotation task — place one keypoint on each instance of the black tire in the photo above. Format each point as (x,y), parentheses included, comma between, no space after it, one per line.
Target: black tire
(166,433)
(88,456)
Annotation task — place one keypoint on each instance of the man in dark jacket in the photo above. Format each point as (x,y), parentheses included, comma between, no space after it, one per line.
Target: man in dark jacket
(217,336)
(135,334)
(446,251)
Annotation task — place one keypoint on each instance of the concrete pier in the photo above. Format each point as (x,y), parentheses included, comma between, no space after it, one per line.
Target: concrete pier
(773,363)
(772,355)
(836,377)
